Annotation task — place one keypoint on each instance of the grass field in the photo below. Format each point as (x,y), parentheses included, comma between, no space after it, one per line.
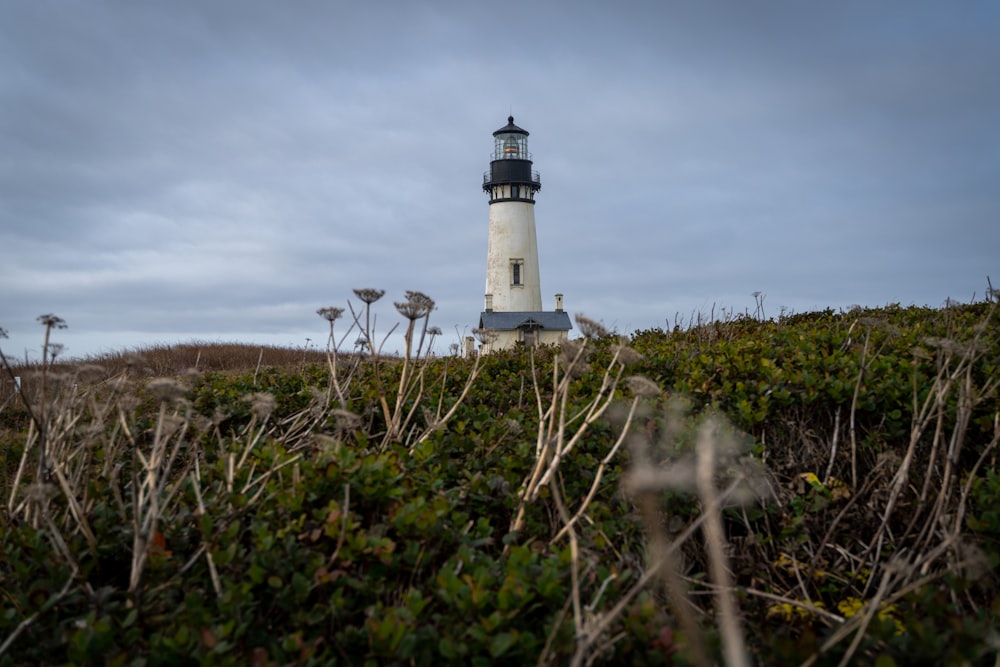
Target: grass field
(820,489)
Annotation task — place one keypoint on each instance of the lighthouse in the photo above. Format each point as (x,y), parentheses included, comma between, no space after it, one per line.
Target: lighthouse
(513,310)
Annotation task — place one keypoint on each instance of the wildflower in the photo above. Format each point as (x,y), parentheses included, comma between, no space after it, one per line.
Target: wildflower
(369,295)
(261,404)
(202,424)
(345,420)
(627,356)
(485,336)
(40,492)
(434,331)
(420,298)
(642,387)
(573,355)
(417,305)
(91,373)
(330,313)
(589,328)
(166,389)
(170,425)
(52,321)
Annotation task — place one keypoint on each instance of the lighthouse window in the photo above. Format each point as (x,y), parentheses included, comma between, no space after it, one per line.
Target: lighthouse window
(514,192)
(516,271)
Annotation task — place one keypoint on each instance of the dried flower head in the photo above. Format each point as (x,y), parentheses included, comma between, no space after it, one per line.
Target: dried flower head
(420,298)
(51,321)
(166,389)
(642,386)
(262,404)
(434,331)
(589,328)
(417,305)
(202,424)
(330,313)
(627,356)
(171,424)
(345,420)
(409,310)
(574,356)
(485,336)
(369,295)
(40,492)
(951,346)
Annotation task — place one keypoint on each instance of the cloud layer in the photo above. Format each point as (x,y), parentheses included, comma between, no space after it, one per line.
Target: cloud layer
(217,171)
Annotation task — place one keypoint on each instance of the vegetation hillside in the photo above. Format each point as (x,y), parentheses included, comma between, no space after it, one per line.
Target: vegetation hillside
(820,489)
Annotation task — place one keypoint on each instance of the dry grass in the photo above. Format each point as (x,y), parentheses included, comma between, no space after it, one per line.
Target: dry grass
(171,361)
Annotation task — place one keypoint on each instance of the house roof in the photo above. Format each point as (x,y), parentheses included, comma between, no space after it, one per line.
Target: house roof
(509,321)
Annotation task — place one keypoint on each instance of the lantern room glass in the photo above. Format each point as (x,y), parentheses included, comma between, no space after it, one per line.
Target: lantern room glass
(510,146)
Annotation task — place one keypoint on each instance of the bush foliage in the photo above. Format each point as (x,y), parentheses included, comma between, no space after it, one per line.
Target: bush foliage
(816,489)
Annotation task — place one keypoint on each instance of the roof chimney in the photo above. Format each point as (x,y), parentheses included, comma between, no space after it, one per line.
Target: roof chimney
(559,307)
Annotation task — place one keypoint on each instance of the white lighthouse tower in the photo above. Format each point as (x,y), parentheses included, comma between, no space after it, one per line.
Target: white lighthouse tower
(513,311)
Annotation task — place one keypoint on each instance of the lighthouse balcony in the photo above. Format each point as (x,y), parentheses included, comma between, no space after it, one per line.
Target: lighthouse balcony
(502,176)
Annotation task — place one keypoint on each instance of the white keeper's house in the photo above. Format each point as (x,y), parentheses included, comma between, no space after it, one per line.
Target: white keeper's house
(513,311)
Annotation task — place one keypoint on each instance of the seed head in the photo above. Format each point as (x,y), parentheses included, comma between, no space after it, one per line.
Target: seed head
(52,321)
(91,373)
(627,356)
(642,386)
(574,357)
(417,305)
(485,336)
(434,331)
(40,492)
(589,328)
(345,420)
(166,389)
(369,295)
(420,298)
(261,404)
(330,313)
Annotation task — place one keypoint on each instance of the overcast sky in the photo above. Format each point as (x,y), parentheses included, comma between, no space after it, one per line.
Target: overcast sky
(176,171)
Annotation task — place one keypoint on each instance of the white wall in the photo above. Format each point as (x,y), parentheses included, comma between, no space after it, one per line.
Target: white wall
(512,236)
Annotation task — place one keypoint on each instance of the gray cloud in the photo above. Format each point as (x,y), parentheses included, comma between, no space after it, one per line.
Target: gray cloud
(218,171)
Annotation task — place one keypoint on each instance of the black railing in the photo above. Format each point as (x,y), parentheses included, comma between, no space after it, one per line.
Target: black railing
(535,177)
